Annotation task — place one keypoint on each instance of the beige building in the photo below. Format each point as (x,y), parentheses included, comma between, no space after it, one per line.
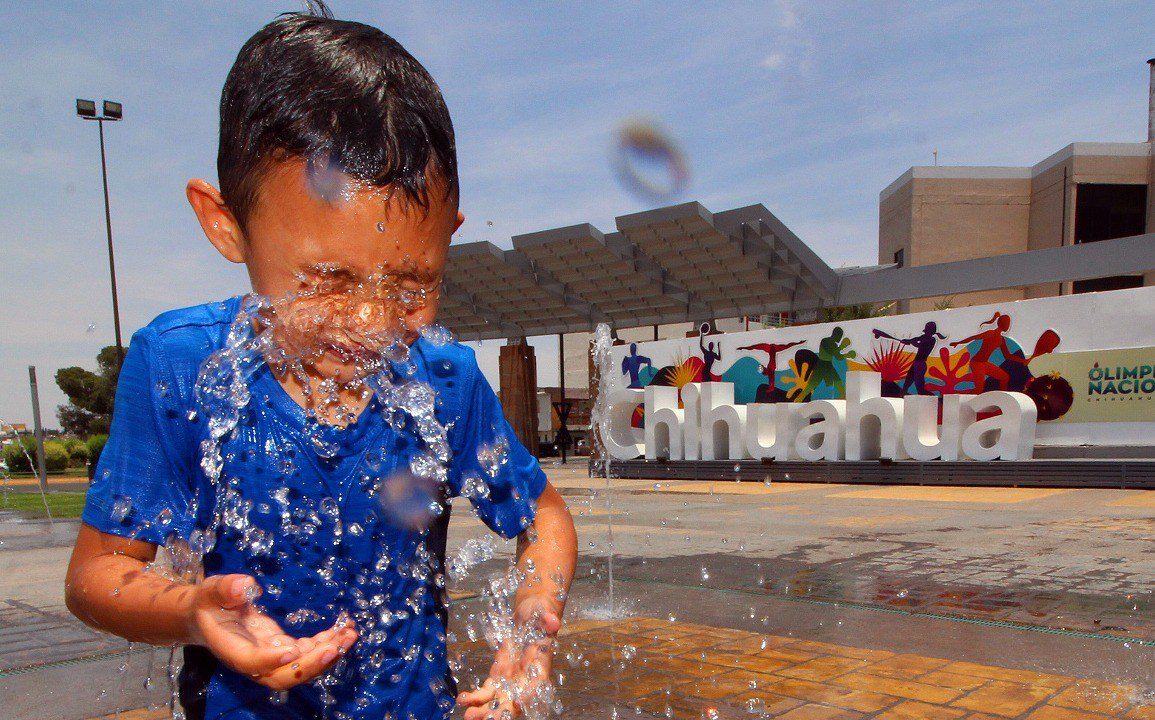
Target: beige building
(1082,193)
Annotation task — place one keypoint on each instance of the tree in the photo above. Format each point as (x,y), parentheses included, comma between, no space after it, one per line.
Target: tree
(91,395)
(842,313)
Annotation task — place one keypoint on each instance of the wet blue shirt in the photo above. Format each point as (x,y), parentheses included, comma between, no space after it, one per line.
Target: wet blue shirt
(307,524)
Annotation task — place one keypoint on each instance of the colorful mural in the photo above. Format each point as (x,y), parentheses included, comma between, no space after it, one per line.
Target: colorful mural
(927,362)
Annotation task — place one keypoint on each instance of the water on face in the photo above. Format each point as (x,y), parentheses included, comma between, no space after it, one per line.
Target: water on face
(359,329)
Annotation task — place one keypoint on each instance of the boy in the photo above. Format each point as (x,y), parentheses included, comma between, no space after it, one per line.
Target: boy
(336,161)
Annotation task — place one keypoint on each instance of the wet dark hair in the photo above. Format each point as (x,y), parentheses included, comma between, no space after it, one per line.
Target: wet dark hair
(339,94)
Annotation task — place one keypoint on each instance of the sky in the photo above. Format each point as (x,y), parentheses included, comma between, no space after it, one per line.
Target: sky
(808,108)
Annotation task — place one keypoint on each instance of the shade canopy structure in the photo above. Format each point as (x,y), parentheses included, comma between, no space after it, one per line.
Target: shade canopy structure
(674,264)
(685,264)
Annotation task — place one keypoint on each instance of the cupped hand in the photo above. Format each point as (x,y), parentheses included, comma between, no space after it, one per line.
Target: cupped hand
(224,620)
(521,667)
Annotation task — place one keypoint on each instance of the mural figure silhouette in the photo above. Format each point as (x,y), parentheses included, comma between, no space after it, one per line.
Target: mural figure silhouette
(990,340)
(632,366)
(709,357)
(767,392)
(832,348)
(923,345)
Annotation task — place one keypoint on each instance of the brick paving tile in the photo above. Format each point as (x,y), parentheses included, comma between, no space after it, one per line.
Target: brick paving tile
(755,663)
(1100,697)
(913,710)
(820,712)
(823,668)
(714,688)
(1142,713)
(863,701)
(951,680)
(906,667)
(770,703)
(822,648)
(907,689)
(1025,677)
(1004,699)
(1050,712)
(786,654)
(747,645)
(677,707)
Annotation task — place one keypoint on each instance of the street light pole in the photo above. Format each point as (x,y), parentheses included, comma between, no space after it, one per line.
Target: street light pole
(112,112)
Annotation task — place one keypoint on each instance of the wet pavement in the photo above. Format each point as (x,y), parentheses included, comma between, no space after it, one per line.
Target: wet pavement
(654,668)
(1028,603)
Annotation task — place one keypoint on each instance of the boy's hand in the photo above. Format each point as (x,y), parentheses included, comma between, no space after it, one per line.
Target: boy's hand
(518,670)
(223,619)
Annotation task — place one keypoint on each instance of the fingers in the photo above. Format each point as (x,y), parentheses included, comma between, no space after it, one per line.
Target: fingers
(491,713)
(249,658)
(230,591)
(550,623)
(478,697)
(322,656)
(485,703)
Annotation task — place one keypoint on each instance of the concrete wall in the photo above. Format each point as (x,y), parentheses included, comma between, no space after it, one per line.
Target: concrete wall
(942,219)
(1052,218)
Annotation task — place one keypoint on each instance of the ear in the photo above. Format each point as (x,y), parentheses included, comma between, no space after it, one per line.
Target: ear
(217,221)
(460,221)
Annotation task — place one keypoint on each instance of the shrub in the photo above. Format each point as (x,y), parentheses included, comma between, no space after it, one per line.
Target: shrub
(15,457)
(95,447)
(77,452)
(55,455)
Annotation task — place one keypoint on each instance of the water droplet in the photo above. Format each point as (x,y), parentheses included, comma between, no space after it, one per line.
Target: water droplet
(437,335)
(121,508)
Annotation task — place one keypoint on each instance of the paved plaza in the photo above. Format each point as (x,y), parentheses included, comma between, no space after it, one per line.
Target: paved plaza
(732,599)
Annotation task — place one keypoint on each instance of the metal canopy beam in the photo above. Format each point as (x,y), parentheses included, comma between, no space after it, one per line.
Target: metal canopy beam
(1123,256)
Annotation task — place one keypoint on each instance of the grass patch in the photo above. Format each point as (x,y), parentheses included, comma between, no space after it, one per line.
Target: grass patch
(67,472)
(29,504)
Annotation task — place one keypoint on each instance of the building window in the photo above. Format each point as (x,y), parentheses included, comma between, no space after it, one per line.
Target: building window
(1115,282)
(900,257)
(1103,211)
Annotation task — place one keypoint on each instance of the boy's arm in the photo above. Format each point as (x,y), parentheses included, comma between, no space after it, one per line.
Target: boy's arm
(552,557)
(548,563)
(109,588)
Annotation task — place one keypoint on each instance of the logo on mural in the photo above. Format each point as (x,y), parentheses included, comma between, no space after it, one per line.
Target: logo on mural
(1121,380)
(927,363)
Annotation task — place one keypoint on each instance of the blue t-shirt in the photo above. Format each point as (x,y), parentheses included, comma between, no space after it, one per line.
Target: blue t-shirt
(308,525)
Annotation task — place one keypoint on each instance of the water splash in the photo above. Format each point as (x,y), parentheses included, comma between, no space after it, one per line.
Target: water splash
(599,430)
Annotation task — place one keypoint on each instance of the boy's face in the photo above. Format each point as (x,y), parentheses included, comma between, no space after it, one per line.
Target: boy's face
(360,265)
